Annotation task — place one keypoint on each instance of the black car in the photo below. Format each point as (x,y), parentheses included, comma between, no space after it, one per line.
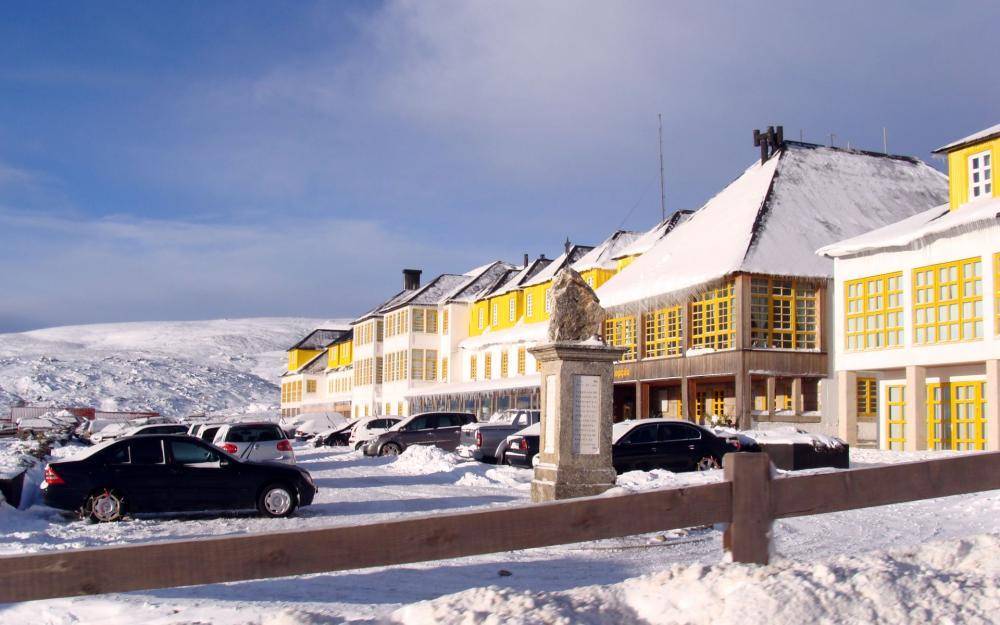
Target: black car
(337,437)
(172,473)
(439,429)
(645,444)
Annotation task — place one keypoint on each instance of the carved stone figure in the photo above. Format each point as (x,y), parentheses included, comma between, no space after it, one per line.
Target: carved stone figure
(576,312)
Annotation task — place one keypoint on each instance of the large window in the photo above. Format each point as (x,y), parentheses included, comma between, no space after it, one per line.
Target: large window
(473,366)
(867,397)
(529,305)
(663,332)
(512,308)
(310,386)
(895,418)
(504,363)
(487,365)
(712,318)
(980,175)
(874,312)
(948,302)
(522,356)
(620,332)
(782,314)
(968,418)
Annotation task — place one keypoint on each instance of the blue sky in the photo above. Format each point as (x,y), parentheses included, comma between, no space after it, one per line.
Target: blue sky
(183,160)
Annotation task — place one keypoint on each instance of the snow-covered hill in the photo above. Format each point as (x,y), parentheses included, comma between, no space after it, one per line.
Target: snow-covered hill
(174,367)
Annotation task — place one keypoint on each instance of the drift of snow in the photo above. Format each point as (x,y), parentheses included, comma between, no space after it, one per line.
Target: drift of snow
(423,459)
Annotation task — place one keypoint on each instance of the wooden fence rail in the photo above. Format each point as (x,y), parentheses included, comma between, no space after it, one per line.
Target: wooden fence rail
(748,501)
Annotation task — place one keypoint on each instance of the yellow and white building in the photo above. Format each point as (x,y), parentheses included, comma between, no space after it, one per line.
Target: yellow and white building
(305,384)
(917,317)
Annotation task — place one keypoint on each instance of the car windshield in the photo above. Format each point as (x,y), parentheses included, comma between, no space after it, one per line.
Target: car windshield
(506,417)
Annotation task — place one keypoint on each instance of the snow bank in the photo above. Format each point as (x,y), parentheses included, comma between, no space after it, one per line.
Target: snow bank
(634,481)
(790,435)
(422,459)
(946,582)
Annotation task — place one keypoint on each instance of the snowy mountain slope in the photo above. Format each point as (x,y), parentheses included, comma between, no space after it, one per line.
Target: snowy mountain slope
(174,367)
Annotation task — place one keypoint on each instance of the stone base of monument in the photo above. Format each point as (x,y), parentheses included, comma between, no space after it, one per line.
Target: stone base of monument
(574,457)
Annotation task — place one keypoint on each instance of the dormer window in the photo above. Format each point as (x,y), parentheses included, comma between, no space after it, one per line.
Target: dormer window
(980,175)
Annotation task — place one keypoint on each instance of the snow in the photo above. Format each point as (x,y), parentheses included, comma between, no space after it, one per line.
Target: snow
(644,242)
(175,368)
(938,221)
(602,256)
(521,333)
(930,561)
(772,219)
(973,138)
(496,384)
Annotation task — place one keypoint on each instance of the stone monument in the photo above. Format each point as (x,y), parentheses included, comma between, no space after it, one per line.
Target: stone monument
(574,457)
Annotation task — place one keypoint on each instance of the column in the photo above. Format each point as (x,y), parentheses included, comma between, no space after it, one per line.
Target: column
(915,409)
(992,405)
(641,409)
(685,401)
(770,396)
(797,396)
(742,392)
(847,406)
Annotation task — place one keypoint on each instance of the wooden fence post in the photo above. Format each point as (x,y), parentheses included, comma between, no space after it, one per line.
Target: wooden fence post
(748,537)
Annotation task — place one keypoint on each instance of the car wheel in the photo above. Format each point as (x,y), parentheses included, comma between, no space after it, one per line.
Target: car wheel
(707,463)
(358,446)
(390,449)
(105,506)
(276,500)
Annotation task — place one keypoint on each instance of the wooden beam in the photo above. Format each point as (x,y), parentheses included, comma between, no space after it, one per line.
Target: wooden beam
(747,538)
(416,539)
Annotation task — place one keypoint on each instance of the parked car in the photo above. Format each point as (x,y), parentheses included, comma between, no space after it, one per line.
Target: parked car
(89,427)
(255,442)
(522,446)
(370,427)
(146,430)
(440,429)
(292,423)
(317,423)
(171,473)
(487,441)
(205,431)
(644,444)
(335,437)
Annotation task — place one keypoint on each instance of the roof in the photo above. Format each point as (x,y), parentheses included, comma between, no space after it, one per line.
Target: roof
(575,253)
(920,228)
(649,238)
(773,217)
(602,256)
(481,278)
(315,365)
(982,135)
(518,277)
(319,339)
(531,380)
(432,293)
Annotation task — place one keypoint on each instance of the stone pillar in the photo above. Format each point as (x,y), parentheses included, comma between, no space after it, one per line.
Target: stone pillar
(685,400)
(915,409)
(847,406)
(992,405)
(796,395)
(574,456)
(770,396)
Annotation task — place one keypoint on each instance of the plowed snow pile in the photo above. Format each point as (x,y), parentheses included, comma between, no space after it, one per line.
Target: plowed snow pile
(422,460)
(945,582)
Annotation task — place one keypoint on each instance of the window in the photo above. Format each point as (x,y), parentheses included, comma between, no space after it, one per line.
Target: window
(782,314)
(699,405)
(444,322)
(378,370)
(642,435)
(488,366)
(479,315)
(310,386)
(548,301)
(494,315)
(968,416)
(417,364)
(678,432)
(191,453)
(895,418)
(473,365)
(980,175)
(867,397)
(512,308)
(146,451)
(663,332)
(937,417)
(418,320)
(116,455)
(529,305)
(444,369)
(874,312)
(431,321)
(504,357)
(430,364)
(948,302)
(620,332)
(712,318)
(718,405)
(522,357)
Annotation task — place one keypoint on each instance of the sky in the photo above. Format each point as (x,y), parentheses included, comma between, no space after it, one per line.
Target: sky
(191,160)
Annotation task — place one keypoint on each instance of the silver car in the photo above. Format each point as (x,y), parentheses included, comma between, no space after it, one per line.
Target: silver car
(255,442)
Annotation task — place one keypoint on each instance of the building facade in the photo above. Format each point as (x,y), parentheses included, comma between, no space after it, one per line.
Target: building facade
(917,317)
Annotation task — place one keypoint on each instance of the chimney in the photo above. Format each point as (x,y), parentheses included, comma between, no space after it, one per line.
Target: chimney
(525,259)
(567,245)
(411,279)
(769,141)
(542,257)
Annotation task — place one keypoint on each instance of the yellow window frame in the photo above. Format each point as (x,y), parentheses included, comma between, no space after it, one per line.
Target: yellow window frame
(663,332)
(948,302)
(504,362)
(522,357)
(488,366)
(873,312)
(968,416)
(895,416)
(867,397)
(784,313)
(473,366)
(620,332)
(712,318)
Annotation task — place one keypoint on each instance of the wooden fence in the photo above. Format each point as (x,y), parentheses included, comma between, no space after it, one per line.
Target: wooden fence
(747,501)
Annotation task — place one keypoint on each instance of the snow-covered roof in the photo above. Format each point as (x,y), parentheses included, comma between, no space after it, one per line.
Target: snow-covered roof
(432,293)
(522,381)
(649,238)
(913,231)
(319,339)
(773,218)
(575,253)
(989,133)
(518,277)
(602,256)
(480,279)
(521,333)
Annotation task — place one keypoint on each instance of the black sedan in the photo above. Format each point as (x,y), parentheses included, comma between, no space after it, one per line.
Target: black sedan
(644,444)
(172,473)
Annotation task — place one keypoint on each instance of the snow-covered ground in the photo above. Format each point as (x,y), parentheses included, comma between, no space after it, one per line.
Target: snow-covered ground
(931,561)
(175,368)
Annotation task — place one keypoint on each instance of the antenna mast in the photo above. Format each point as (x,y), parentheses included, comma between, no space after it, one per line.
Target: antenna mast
(663,197)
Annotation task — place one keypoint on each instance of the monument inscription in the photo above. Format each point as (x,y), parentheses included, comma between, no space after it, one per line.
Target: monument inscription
(586,414)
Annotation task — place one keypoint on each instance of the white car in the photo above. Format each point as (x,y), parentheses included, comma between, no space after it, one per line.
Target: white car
(319,422)
(205,431)
(370,427)
(155,428)
(255,442)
